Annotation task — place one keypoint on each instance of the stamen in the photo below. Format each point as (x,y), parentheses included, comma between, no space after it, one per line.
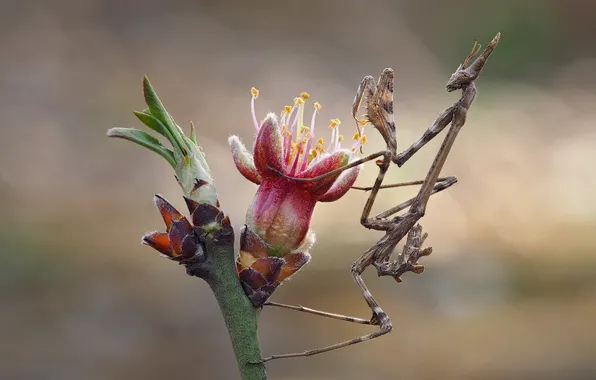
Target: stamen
(304,163)
(359,140)
(285,114)
(356,136)
(295,122)
(318,105)
(291,130)
(290,114)
(333,133)
(314,153)
(340,138)
(287,144)
(337,136)
(314,115)
(287,147)
(304,95)
(300,103)
(296,158)
(291,154)
(255,95)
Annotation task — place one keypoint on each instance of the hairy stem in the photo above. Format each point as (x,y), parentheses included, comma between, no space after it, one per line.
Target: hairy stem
(239,314)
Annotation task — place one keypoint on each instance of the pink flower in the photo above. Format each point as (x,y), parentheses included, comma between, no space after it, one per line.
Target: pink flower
(276,239)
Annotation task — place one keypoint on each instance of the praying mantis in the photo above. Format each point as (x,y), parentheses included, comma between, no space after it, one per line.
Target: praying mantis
(378,103)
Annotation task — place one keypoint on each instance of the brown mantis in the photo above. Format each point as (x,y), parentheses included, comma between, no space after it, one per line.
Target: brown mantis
(379,113)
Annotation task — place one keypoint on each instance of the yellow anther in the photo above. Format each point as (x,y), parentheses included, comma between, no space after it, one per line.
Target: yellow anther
(298,101)
(304,129)
(363,139)
(304,95)
(363,122)
(314,153)
(356,136)
(353,149)
(287,109)
(318,105)
(320,141)
(254,92)
(334,123)
(340,138)
(284,128)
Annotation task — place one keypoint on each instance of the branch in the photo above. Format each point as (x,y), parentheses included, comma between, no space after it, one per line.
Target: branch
(205,243)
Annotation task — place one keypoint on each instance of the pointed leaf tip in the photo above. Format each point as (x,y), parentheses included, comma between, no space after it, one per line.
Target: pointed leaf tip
(168,212)
(158,111)
(158,241)
(193,132)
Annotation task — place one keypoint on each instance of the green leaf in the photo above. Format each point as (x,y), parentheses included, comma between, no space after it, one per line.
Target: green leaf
(157,109)
(153,123)
(193,133)
(144,139)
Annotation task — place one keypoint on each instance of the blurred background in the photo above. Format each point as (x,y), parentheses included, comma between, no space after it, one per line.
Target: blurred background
(509,292)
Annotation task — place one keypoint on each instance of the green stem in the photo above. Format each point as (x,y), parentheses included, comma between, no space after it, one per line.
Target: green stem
(239,314)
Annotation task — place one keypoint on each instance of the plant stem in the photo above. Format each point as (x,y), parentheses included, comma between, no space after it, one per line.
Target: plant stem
(239,314)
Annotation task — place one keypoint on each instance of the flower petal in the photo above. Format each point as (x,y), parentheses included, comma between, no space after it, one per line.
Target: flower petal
(244,160)
(323,166)
(268,152)
(280,214)
(308,242)
(342,185)
(265,205)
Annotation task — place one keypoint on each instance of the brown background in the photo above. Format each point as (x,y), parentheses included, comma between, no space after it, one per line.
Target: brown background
(509,293)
